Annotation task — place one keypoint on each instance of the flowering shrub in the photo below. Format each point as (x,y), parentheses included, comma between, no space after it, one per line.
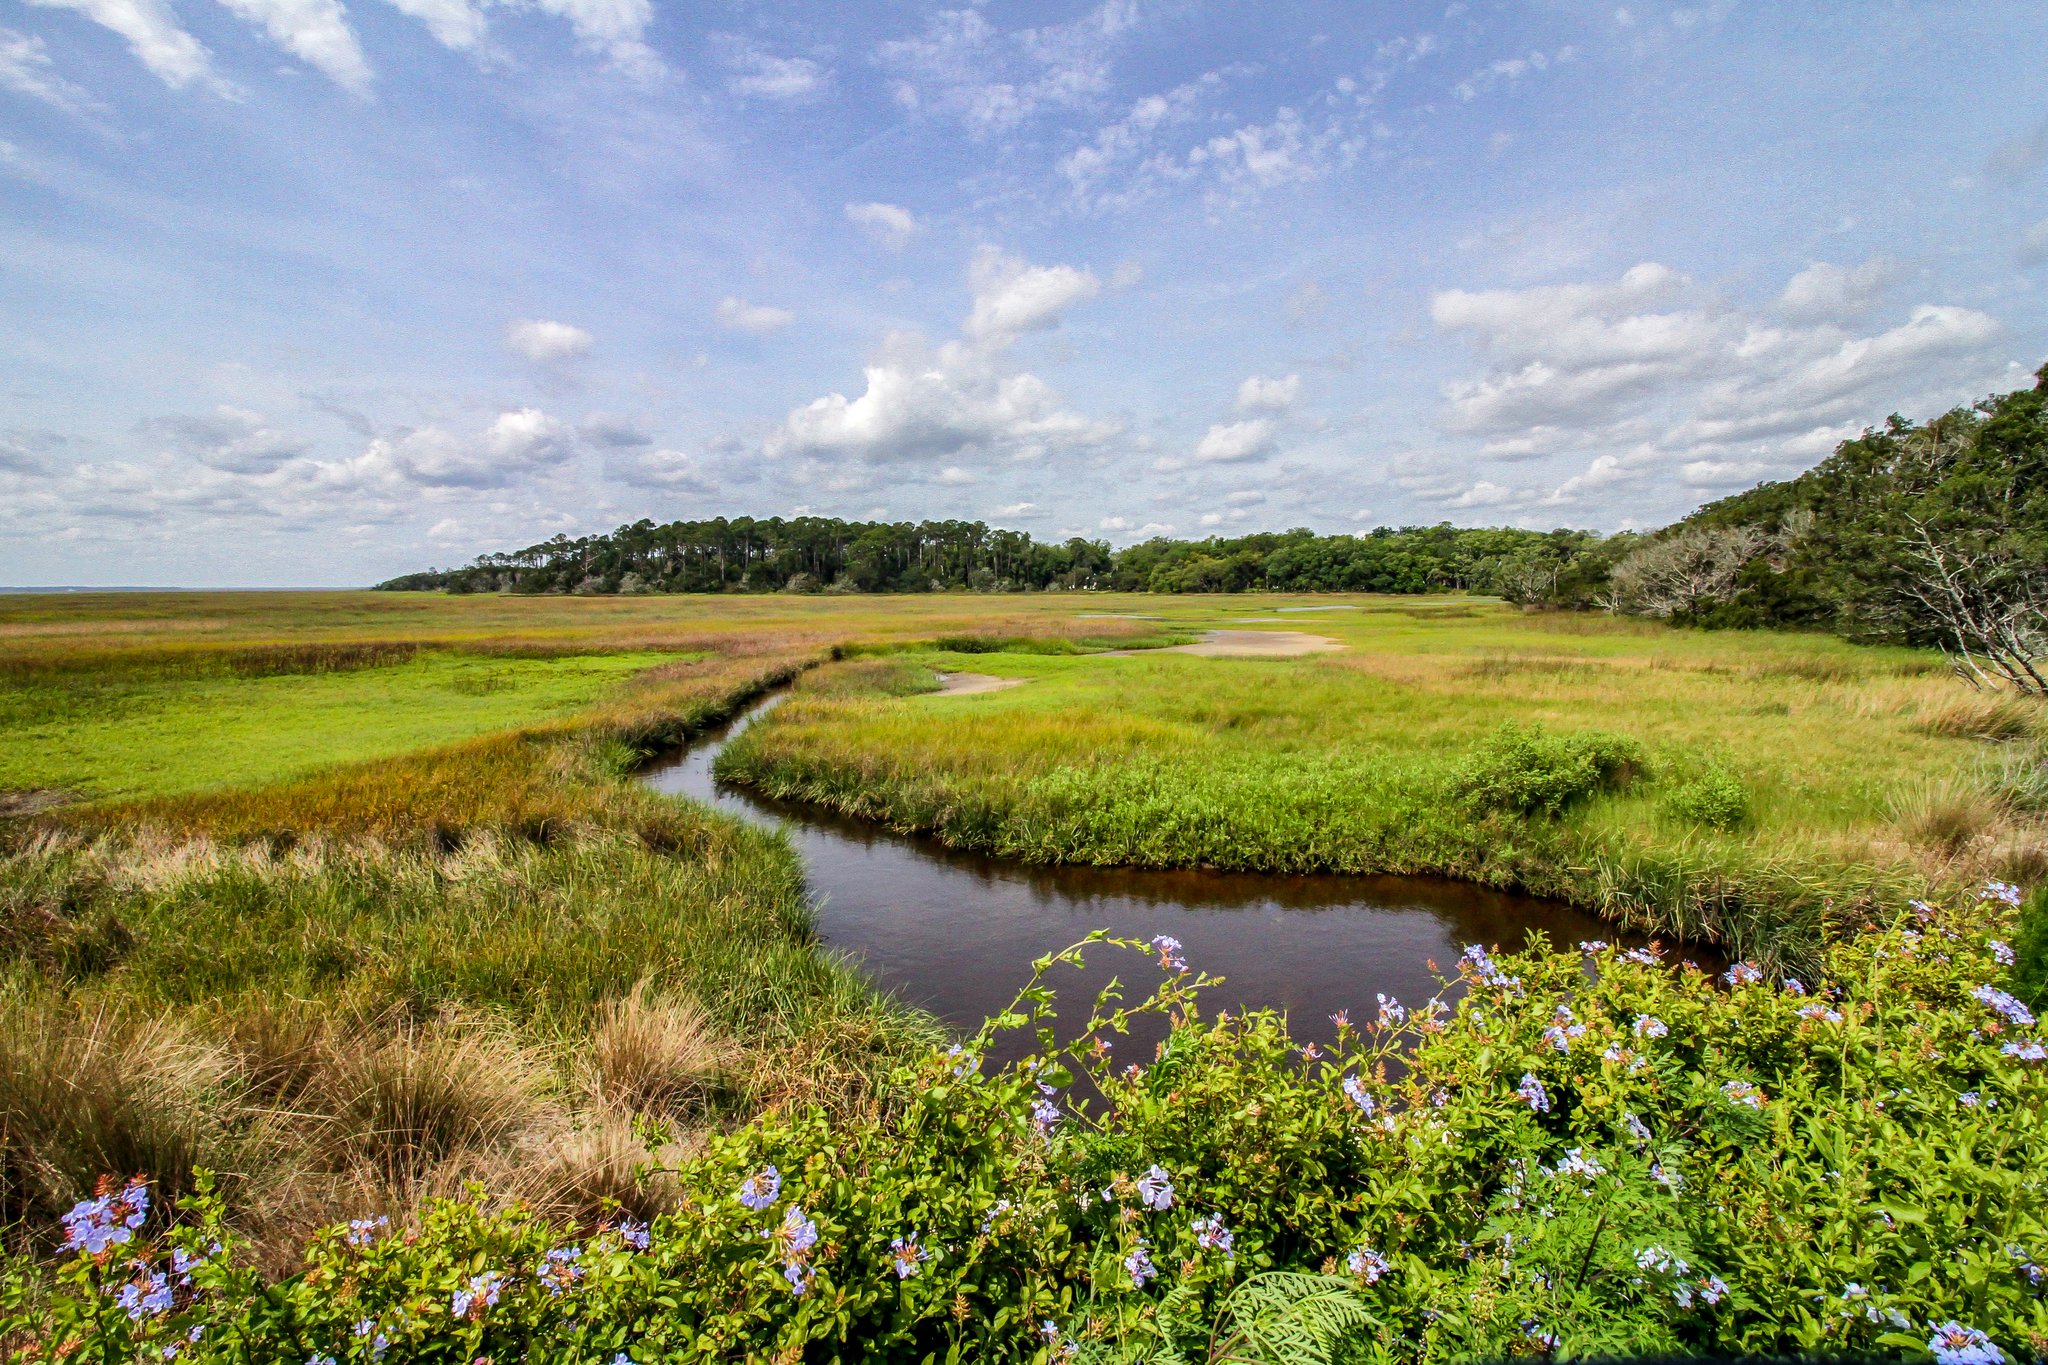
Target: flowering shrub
(1565,1153)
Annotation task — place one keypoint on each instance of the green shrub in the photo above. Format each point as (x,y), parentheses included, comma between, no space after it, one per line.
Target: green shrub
(1524,770)
(2030,950)
(1544,1160)
(1716,797)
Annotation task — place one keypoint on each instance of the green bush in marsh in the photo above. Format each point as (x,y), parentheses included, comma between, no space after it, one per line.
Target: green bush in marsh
(1527,771)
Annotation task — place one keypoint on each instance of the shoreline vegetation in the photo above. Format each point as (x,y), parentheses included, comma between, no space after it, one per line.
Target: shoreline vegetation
(480,1044)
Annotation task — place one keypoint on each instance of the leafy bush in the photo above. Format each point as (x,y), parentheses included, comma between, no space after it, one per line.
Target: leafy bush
(2030,946)
(1542,1160)
(1524,770)
(1716,797)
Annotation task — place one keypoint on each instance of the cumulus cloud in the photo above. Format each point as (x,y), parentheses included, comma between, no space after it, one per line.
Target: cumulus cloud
(314,31)
(757,74)
(1012,296)
(515,445)
(544,342)
(1824,292)
(755,318)
(889,225)
(26,69)
(232,439)
(1232,442)
(1508,71)
(1260,394)
(929,403)
(1020,511)
(174,56)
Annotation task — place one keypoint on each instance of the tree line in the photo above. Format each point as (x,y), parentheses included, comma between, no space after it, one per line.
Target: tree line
(1931,533)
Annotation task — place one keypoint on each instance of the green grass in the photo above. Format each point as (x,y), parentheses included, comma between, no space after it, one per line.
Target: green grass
(131,737)
(1350,762)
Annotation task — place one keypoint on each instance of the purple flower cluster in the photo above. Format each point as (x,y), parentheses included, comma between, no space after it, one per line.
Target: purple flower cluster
(1483,966)
(909,1256)
(2001,1003)
(1367,1264)
(761,1189)
(636,1235)
(1649,1026)
(363,1231)
(1155,1190)
(794,1239)
(2003,892)
(1139,1264)
(1532,1090)
(481,1293)
(1742,1092)
(1354,1086)
(145,1296)
(1955,1344)
(1168,948)
(2029,1051)
(1742,974)
(108,1220)
(560,1269)
(1211,1235)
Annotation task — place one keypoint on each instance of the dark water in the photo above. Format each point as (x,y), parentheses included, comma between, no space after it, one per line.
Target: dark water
(956,932)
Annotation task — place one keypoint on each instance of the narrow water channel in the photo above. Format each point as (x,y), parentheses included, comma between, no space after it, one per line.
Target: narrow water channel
(955,933)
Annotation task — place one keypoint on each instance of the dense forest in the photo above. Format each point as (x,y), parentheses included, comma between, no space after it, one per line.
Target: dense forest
(824,554)
(1931,533)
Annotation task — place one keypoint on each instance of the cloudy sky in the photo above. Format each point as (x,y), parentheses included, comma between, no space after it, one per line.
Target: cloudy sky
(305,292)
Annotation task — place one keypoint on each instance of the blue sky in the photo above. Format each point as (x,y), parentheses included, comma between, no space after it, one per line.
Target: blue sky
(299,291)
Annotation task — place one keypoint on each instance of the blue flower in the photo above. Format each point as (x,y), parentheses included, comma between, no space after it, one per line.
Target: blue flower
(1742,1092)
(1483,966)
(909,1256)
(1354,1086)
(2002,952)
(1955,1344)
(635,1235)
(2029,1051)
(147,1295)
(1742,974)
(1168,948)
(481,1293)
(363,1231)
(1649,1026)
(2001,1003)
(1392,1011)
(1211,1235)
(1139,1264)
(109,1220)
(1367,1264)
(2004,892)
(1155,1190)
(761,1189)
(1532,1090)
(561,1268)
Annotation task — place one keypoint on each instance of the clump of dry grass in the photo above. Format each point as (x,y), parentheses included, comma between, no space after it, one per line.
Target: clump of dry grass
(1946,815)
(1995,716)
(656,1055)
(105,1092)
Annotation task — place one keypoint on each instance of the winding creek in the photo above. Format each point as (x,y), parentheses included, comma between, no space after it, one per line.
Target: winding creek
(956,932)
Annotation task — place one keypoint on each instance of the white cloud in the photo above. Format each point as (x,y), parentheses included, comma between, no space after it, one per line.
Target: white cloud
(672,470)
(1260,394)
(455,24)
(1020,511)
(544,341)
(1650,374)
(447,528)
(232,439)
(1824,292)
(964,66)
(517,444)
(171,54)
(888,225)
(1510,70)
(26,69)
(1247,497)
(1120,148)
(922,403)
(314,31)
(615,28)
(1231,442)
(759,319)
(762,75)
(954,476)
(1012,296)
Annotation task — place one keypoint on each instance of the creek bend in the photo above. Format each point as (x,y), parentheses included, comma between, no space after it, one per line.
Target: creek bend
(955,933)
